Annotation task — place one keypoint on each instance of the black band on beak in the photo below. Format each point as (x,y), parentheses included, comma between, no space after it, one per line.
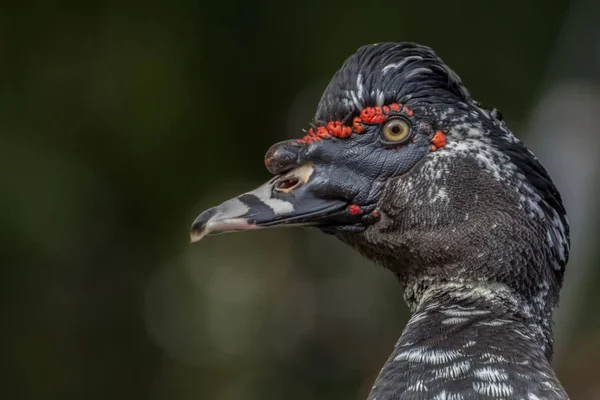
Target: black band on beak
(288,200)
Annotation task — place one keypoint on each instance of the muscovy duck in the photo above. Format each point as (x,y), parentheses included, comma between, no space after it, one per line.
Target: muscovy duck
(404,166)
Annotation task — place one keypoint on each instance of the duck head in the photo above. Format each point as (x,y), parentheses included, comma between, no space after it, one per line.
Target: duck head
(403,165)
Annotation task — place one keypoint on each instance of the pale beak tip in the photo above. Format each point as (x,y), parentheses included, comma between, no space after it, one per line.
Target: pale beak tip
(200,226)
(197,235)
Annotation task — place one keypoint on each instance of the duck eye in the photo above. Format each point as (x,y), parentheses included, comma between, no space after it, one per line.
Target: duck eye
(396,130)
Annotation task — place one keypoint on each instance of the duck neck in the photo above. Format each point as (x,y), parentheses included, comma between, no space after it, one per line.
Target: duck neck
(466,339)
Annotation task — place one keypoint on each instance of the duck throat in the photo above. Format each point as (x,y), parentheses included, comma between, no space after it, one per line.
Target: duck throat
(469,341)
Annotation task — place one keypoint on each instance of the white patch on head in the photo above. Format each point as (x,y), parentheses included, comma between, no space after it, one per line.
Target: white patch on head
(418,71)
(347,101)
(360,88)
(380,98)
(357,103)
(400,64)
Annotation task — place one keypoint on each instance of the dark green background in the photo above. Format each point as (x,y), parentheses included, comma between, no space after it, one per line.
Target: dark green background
(121,121)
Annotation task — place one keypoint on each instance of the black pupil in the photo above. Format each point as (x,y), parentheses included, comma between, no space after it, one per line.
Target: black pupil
(396,129)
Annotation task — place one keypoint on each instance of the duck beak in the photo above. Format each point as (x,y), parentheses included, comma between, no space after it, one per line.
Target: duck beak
(294,198)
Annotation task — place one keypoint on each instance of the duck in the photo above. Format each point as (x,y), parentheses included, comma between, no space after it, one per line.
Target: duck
(404,166)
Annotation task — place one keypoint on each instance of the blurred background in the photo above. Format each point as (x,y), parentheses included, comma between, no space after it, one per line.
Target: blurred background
(121,121)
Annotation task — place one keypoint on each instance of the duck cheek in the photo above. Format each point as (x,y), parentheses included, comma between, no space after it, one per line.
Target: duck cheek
(346,184)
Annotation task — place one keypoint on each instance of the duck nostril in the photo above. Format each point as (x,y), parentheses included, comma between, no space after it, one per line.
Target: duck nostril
(293,179)
(287,184)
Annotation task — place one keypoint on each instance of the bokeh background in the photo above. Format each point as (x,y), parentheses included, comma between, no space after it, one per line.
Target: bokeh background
(121,121)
